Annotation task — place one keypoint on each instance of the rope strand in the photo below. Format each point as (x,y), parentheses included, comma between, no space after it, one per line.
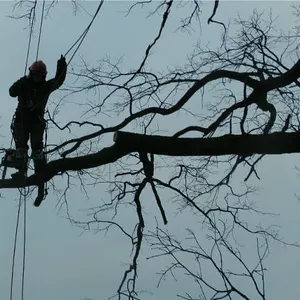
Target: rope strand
(83,35)
(21,194)
(24,245)
(15,248)
(40,32)
(30,36)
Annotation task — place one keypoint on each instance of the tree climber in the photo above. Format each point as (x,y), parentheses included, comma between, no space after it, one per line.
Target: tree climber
(33,92)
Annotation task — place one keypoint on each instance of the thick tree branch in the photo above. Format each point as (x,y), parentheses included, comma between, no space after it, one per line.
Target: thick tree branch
(126,143)
(275,143)
(285,79)
(214,11)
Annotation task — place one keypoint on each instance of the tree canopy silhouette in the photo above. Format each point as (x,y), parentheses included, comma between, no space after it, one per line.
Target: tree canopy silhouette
(186,131)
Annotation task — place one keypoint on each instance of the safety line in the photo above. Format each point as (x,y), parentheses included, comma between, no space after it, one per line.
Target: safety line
(83,35)
(40,33)
(30,36)
(24,245)
(24,194)
(15,248)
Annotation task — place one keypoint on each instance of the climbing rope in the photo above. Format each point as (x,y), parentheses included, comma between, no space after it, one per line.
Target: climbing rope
(24,193)
(83,35)
(15,248)
(40,32)
(30,35)
(45,148)
(24,244)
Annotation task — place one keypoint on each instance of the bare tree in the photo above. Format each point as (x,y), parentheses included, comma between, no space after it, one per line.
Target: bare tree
(249,86)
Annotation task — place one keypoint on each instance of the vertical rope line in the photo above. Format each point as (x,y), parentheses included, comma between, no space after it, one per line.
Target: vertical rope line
(30,36)
(40,33)
(24,245)
(20,198)
(15,248)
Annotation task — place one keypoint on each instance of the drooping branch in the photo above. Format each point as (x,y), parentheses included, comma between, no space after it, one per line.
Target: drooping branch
(139,238)
(214,11)
(159,203)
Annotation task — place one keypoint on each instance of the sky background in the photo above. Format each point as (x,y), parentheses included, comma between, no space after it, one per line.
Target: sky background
(62,263)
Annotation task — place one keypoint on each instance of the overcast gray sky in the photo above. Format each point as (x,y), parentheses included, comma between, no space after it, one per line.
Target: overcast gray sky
(62,263)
